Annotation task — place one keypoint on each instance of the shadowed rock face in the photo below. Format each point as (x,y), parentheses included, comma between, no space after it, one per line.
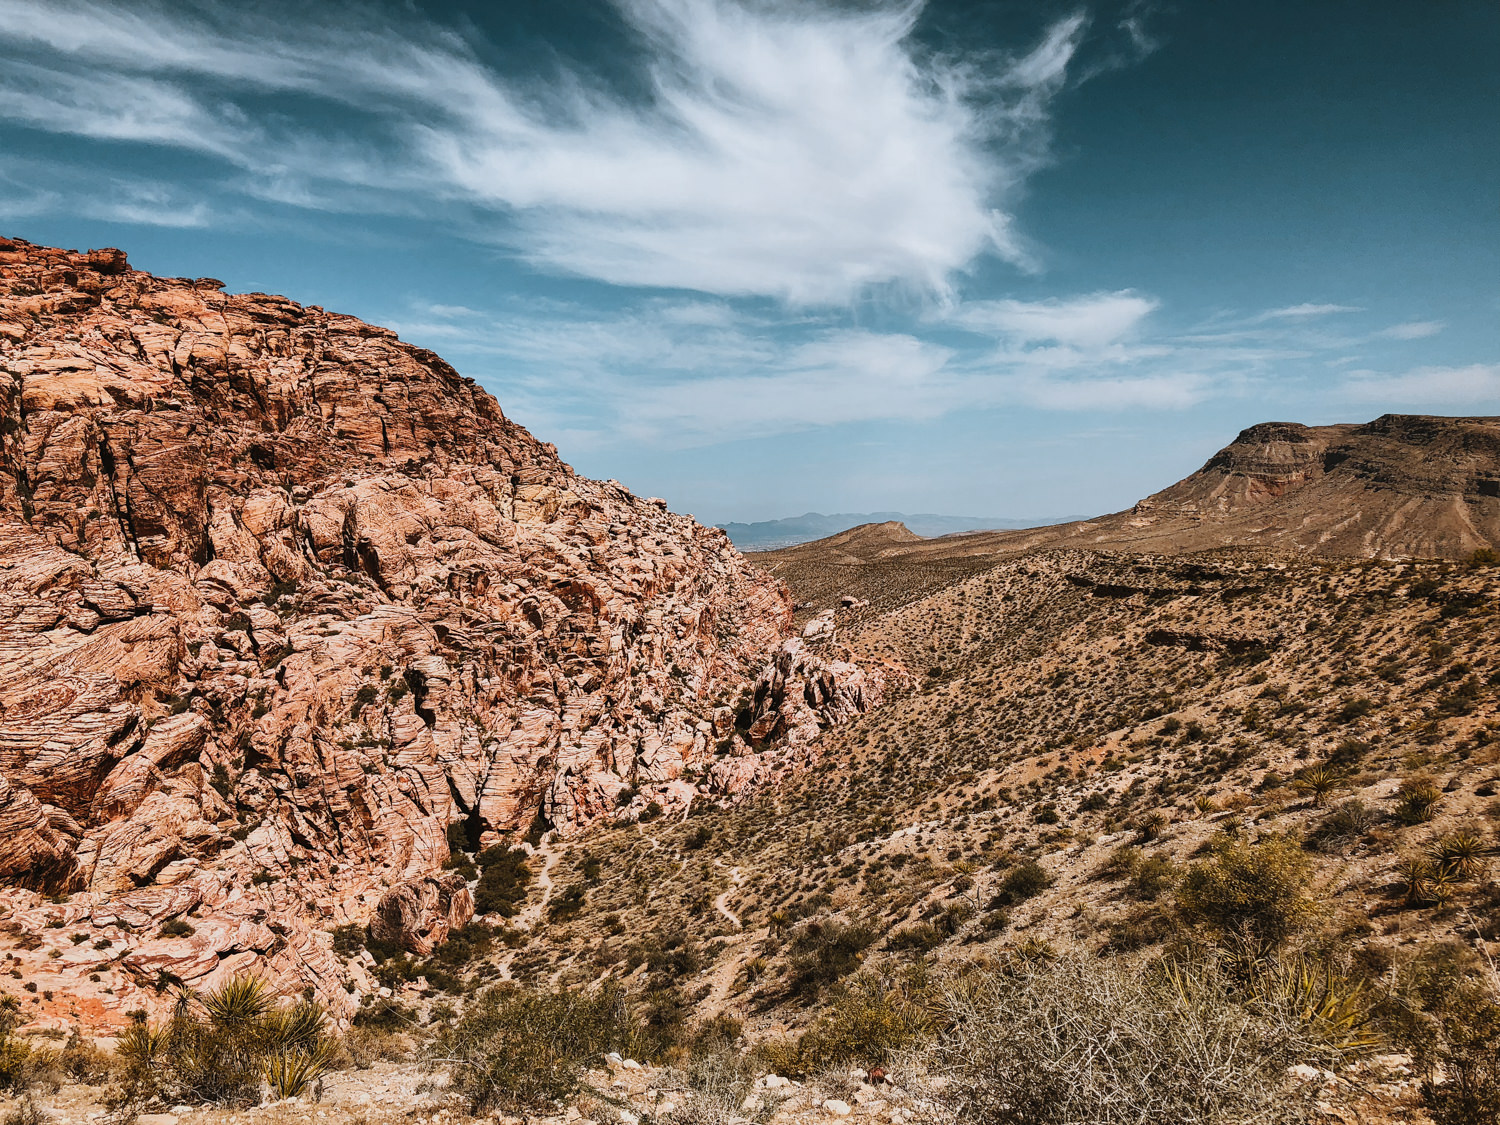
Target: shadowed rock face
(282,598)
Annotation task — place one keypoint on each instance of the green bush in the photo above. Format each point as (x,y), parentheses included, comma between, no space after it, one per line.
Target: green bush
(1021,883)
(824,952)
(1254,896)
(503,881)
(867,1019)
(520,1050)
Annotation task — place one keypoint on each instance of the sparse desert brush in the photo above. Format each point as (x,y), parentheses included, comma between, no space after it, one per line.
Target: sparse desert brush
(1346,821)
(823,952)
(1022,882)
(523,1049)
(867,1019)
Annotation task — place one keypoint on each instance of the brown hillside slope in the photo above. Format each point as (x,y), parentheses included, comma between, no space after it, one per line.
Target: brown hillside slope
(1102,715)
(283,600)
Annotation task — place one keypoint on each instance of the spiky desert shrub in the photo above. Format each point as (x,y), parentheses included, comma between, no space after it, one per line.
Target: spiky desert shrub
(1318,782)
(1249,895)
(1084,1040)
(1421,882)
(1333,1011)
(1417,800)
(1462,854)
(219,1047)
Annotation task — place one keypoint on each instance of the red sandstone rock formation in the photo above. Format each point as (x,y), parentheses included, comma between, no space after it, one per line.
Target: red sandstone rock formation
(282,598)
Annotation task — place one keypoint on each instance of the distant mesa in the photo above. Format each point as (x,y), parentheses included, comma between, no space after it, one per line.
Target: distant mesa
(770,535)
(1402,486)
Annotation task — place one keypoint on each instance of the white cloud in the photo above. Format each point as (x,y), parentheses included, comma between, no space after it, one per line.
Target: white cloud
(1091,321)
(1413,330)
(806,151)
(1477,384)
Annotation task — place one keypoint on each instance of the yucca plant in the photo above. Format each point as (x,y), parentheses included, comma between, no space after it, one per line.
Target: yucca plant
(1319,781)
(1154,824)
(298,1028)
(1462,854)
(218,1048)
(1329,1008)
(1414,880)
(1205,804)
(293,1072)
(242,1000)
(1418,801)
(1423,882)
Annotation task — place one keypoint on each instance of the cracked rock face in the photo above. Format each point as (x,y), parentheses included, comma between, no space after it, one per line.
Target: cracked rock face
(283,598)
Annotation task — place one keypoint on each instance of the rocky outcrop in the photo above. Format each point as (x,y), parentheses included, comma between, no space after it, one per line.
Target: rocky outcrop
(419,914)
(283,598)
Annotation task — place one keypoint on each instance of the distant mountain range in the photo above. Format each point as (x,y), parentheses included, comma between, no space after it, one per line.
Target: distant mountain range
(770,535)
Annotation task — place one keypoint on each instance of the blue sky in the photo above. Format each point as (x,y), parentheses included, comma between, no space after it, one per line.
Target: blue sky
(766,256)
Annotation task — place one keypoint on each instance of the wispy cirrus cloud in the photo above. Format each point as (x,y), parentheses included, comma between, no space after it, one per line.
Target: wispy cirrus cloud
(687,372)
(1412,330)
(1087,321)
(1307,311)
(804,151)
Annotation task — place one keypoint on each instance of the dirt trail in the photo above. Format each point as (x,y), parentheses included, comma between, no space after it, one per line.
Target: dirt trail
(528,918)
(721,904)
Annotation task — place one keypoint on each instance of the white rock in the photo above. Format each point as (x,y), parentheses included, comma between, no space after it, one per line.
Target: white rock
(776,1082)
(628,1118)
(837,1108)
(631,1064)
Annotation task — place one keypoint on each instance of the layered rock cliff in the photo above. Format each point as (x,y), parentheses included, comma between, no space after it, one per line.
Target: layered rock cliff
(283,599)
